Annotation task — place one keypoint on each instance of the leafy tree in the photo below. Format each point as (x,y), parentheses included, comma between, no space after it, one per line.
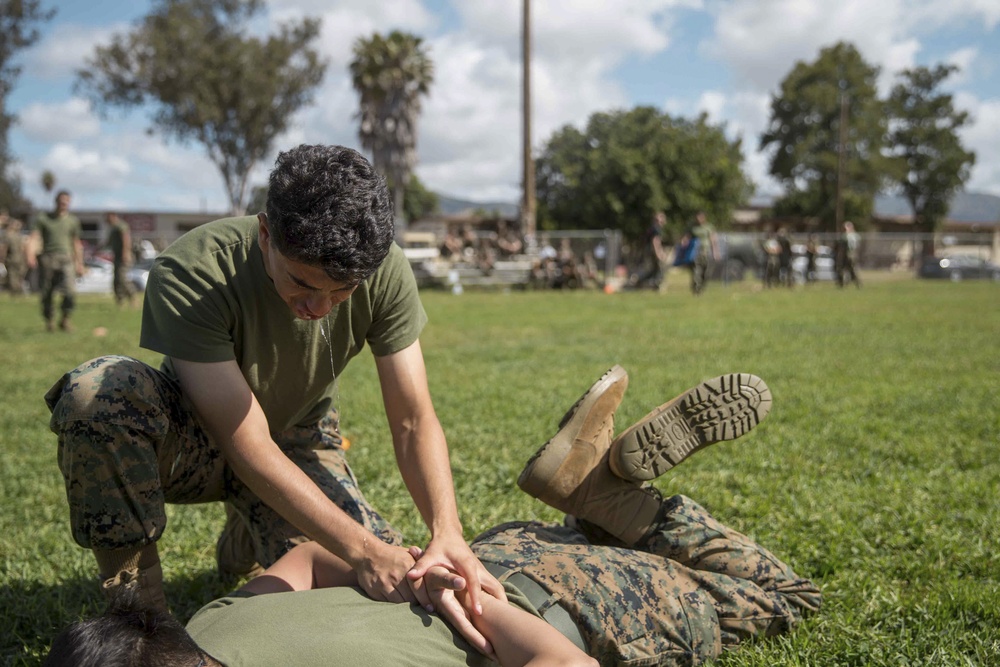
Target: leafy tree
(931,164)
(390,75)
(804,134)
(258,199)
(19,20)
(418,201)
(626,165)
(209,81)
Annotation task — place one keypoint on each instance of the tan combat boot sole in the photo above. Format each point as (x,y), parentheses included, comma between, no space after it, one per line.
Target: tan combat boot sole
(561,465)
(723,408)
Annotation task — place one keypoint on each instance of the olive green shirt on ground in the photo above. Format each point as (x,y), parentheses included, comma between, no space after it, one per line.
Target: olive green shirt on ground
(59,233)
(209,299)
(329,627)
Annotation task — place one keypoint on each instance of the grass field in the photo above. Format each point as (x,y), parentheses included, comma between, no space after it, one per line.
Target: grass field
(877,473)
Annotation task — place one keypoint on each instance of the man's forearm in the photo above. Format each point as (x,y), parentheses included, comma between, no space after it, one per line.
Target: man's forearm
(422,456)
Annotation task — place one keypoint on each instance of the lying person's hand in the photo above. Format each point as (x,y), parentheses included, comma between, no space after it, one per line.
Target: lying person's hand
(452,553)
(445,587)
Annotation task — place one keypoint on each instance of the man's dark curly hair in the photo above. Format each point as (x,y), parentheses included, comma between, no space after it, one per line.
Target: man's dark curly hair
(126,635)
(328,207)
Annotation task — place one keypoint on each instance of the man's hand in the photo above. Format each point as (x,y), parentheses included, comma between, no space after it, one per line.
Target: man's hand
(452,553)
(382,572)
(442,584)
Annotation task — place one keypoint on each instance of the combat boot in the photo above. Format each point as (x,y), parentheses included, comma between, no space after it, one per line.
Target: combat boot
(570,472)
(147,582)
(723,408)
(133,568)
(234,552)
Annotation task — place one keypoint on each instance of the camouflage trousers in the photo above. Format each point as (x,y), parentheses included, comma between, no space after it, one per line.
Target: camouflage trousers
(129,442)
(699,275)
(691,590)
(122,287)
(57,274)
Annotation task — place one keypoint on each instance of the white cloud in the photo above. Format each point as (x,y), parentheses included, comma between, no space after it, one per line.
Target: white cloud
(762,41)
(575,29)
(938,13)
(744,116)
(62,121)
(79,170)
(350,19)
(713,103)
(63,50)
(964,59)
(983,137)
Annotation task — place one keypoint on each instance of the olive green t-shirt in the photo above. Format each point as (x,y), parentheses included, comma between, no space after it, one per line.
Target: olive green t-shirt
(328,627)
(58,232)
(704,235)
(209,299)
(116,240)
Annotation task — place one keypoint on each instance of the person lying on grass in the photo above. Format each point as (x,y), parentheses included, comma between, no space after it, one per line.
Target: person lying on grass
(630,578)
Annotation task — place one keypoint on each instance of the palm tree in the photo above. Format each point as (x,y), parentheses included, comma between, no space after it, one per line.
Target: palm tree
(48,181)
(391,74)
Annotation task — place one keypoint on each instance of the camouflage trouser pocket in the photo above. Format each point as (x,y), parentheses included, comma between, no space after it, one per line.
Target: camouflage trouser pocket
(633,608)
(128,443)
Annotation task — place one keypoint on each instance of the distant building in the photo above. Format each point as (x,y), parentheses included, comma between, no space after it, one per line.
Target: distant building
(160,228)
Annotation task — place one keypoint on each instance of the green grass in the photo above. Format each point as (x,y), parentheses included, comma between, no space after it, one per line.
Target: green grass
(876,474)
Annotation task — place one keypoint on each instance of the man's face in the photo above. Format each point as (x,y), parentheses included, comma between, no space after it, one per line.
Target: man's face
(307,290)
(62,203)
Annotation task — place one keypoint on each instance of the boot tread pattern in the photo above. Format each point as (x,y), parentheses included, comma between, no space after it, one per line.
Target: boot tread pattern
(723,408)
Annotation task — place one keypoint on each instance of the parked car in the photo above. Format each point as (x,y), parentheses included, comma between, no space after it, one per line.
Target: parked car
(825,264)
(97,277)
(99,274)
(138,273)
(958,267)
(740,254)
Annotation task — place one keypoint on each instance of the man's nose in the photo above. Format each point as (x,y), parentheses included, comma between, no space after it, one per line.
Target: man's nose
(319,304)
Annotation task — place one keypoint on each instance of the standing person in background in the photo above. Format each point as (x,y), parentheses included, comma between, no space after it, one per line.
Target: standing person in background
(847,255)
(707,251)
(772,261)
(13,257)
(55,246)
(812,247)
(655,255)
(785,258)
(120,243)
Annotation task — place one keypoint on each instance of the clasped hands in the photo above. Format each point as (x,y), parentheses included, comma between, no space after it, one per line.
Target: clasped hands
(444,578)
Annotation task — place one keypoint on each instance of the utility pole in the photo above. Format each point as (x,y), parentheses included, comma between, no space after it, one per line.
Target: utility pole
(528,171)
(841,162)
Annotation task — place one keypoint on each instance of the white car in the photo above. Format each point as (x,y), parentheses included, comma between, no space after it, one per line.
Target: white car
(825,269)
(98,277)
(138,274)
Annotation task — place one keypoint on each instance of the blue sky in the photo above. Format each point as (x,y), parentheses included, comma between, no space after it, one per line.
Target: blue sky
(723,57)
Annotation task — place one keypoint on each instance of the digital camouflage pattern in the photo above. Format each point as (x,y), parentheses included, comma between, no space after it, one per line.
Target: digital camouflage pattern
(129,442)
(689,591)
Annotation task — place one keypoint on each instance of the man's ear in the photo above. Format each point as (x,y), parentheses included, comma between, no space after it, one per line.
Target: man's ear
(263,232)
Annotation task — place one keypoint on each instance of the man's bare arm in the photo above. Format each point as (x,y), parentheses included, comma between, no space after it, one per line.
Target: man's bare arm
(236,422)
(422,455)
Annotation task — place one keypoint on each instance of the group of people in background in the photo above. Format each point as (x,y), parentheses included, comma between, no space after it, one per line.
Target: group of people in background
(53,246)
(780,272)
(550,267)
(696,250)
